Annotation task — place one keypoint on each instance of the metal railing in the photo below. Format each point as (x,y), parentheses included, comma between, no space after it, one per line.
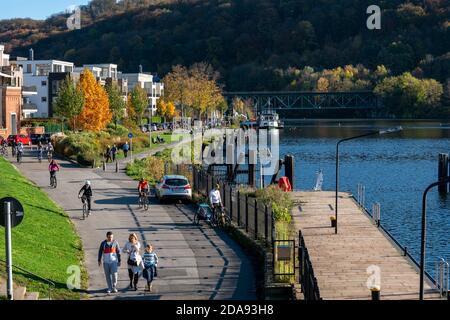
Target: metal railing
(247,212)
(376,216)
(51,285)
(307,280)
(361,195)
(376,213)
(442,276)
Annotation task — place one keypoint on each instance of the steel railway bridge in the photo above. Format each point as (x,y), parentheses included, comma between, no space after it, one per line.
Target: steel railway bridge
(308,100)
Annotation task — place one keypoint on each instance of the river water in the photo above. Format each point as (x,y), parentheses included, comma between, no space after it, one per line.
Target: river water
(394,168)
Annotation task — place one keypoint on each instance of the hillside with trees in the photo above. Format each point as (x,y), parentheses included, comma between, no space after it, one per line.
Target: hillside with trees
(276,44)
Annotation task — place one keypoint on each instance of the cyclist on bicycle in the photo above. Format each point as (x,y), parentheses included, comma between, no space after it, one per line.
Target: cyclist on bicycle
(40,150)
(19,151)
(49,150)
(143,187)
(52,168)
(215,199)
(85,194)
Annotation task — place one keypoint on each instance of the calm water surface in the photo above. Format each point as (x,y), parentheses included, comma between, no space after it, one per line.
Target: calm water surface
(395,169)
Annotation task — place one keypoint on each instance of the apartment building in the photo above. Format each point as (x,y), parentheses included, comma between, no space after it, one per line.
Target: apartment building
(106,74)
(150,83)
(43,74)
(11,81)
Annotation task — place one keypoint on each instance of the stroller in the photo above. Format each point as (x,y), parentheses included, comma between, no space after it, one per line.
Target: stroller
(203,212)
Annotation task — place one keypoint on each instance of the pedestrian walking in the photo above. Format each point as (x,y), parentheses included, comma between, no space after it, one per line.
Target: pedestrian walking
(126,148)
(113,153)
(109,252)
(134,261)
(150,259)
(108,154)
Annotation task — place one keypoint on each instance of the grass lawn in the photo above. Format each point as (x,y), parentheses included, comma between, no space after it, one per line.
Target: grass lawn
(45,243)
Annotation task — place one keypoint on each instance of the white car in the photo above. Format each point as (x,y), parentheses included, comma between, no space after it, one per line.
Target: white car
(174,187)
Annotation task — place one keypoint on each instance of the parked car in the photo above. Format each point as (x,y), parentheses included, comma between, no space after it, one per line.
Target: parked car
(35,138)
(19,138)
(174,187)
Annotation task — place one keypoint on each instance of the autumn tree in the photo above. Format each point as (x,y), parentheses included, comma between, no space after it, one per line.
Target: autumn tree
(196,88)
(96,113)
(166,109)
(69,102)
(116,102)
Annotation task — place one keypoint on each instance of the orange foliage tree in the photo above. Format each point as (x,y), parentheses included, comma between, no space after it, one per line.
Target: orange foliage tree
(96,113)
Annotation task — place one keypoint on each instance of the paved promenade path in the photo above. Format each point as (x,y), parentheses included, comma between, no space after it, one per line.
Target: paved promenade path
(196,262)
(340,261)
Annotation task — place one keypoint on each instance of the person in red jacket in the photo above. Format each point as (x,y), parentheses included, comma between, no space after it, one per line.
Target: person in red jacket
(143,187)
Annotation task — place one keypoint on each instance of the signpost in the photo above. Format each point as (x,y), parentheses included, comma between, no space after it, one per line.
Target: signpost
(130,136)
(11,216)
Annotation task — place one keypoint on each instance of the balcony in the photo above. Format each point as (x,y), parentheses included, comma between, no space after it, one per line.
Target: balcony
(28,109)
(29,91)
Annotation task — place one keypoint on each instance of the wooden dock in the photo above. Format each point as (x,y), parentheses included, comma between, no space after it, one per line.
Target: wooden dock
(340,261)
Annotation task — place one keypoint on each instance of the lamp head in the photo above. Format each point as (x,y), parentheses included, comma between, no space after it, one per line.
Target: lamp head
(391,130)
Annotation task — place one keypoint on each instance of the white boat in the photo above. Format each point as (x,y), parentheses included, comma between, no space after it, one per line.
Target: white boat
(269,119)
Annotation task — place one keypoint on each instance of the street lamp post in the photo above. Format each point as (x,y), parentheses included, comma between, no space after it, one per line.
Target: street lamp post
(372,133)
(423,235)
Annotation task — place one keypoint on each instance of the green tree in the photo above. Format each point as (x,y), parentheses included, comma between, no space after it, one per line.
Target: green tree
(116,103)
(407,96)
(69,102)
(139,103)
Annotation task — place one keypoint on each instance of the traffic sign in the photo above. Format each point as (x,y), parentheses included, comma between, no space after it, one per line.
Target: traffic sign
(130,136)
(17,212)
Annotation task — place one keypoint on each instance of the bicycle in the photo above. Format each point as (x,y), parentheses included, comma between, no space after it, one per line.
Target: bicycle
(53,181)
(143,200)
(221,218)
(85,209)
(19,157)
(4,151)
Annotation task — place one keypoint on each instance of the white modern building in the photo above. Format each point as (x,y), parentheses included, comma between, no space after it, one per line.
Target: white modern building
(4,58)
(36,74)
(146,81)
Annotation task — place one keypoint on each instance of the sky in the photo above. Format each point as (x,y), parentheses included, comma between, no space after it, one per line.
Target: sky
(36,9)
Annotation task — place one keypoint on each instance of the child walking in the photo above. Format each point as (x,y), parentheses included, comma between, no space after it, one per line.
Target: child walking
(150,259)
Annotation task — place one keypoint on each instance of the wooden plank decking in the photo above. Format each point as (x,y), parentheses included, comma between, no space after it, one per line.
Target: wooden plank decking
(340,261)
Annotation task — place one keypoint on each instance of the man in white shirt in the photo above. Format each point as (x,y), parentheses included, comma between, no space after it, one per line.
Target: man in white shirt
(215,198)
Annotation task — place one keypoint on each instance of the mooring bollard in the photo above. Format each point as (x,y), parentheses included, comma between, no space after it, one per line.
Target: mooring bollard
(104,166)
(289,169)
(117,166)
(443,171)
(376,293)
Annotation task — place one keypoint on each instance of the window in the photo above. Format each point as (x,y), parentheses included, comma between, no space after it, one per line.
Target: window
(55,86)
(44,99)
(57,68)
(44,83)
(28,68)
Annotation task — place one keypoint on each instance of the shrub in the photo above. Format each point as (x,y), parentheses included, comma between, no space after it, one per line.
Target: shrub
(280,202)
(281,213)
(154,169)
(120,131)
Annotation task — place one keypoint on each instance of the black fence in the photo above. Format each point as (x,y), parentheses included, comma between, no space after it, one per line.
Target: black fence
(307,279)
(247,212)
